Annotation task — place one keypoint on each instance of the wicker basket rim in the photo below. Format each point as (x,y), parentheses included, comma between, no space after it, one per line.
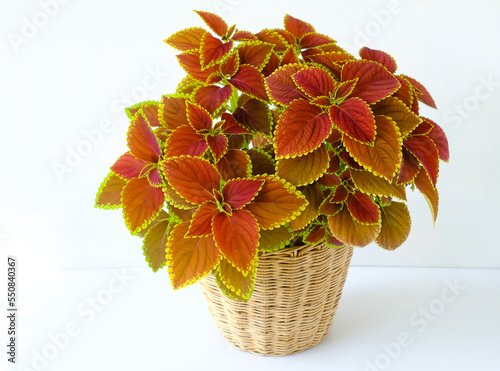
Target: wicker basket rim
(293,250)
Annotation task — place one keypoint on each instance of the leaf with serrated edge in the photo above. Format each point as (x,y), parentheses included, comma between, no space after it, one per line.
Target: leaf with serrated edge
(201,222)
(439,138)
(154,245)
(422,93)
(277,203)
(394,108)
(354,118)
(280,86)
(274,239)
(384,158)
(315,82)
(255,53)
(212,97)
(304,169)
(237,237)
(185,141)
(314,197)
(396,226)
(254,116)
(189,259)
(239,192)
(215,22)
(172,111)
(430,192)
(347,230)
(297,27)
(234,283)
(192,177)
(234,164)
(128,167)
(379,56)
(175,199)
(110,192)
(362,208)
(141,203)
(301,129)
(250,81)
(424,149)
(376,186)
(213,50)
(149,109)
(187,39)
(141,139)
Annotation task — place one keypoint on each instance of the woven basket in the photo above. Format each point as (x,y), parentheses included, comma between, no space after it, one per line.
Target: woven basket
(295,298)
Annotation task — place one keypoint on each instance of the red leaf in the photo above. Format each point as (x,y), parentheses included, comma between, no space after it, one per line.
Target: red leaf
(216,23)
(201,222)
(405,92)
(187,39)
(198,117)
(142,141)
(439,138)
(231,65)
(289,56)
(192,177)
(110,192)
(301,129)
(333,61)
(409,168)
(375,81)
(185,141)
(218,145)
(254,116)
(141,203)
(315,82)
(250,81)
(191,63)
(362,208)
(149,109)
(354,118)
(154,176)
(345,88)
(379,56)
(237,237)
(189,259)
(173,111)
(297,27)
(426,152)
(255,53)
(212,97)
(281,87)
(128,167)
(347,230)
(239,192)
(234,164)
(241,35)
(212,50)
(229,125)
(313,40)
(422,93)
(304,169)
(430,192)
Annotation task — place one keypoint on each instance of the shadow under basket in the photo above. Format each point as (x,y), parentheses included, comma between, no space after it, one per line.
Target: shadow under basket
(296,295)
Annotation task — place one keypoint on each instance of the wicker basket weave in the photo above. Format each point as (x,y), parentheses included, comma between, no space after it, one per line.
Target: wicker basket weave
(295,298)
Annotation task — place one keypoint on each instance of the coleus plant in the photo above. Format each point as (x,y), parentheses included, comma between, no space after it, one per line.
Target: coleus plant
(273,139)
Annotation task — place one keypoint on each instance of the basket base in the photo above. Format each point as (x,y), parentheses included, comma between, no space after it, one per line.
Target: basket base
(296,295)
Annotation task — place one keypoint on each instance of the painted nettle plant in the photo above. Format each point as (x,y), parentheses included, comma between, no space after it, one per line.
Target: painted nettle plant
(273,139)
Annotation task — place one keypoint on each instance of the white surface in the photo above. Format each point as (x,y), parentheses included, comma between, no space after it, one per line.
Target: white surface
(87,59)
(145,325)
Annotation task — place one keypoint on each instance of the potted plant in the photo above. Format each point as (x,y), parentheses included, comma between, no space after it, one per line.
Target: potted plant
(277,154)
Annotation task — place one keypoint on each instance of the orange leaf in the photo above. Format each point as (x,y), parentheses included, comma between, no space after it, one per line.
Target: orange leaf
(262,163)
(187,39)
(333,61)
(110,192)
(192,177)
(141,203)
(239,192)
(155,242)
(212,50)
(142,140)
(304,169)
(315,82)
(254,116)
(376,186)
(426,152)
(128,167)
(439,138)
(255,53)
(237,236)
(212,97)
(185,141)
(394,108)
(314,197)
(216,23)
(409,168)
(375,81)
(347,230)
(379,56)
(430,192)
(289,57)
(297,27)
(233,283)
(198,117)
(314,39)
(230,65)
(191,62)
(218,145)
(189,259)
(201,222)
(250,81)
(396,226)
(422,93)
(384,157)
(278,202)
(274,239)
(281,87)
(149,109)
(362,208)
(175,200)
(173,111)
(354,118)
(234,164)
(301,129)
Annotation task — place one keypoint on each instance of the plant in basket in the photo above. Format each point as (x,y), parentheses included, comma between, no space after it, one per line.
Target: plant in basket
(273,140)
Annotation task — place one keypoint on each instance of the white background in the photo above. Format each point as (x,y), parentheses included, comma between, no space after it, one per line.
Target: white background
(69,68)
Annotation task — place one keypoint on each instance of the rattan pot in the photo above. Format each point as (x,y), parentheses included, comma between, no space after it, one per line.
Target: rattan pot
(296,295)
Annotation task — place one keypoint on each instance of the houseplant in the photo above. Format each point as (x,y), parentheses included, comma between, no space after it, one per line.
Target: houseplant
(276,155)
